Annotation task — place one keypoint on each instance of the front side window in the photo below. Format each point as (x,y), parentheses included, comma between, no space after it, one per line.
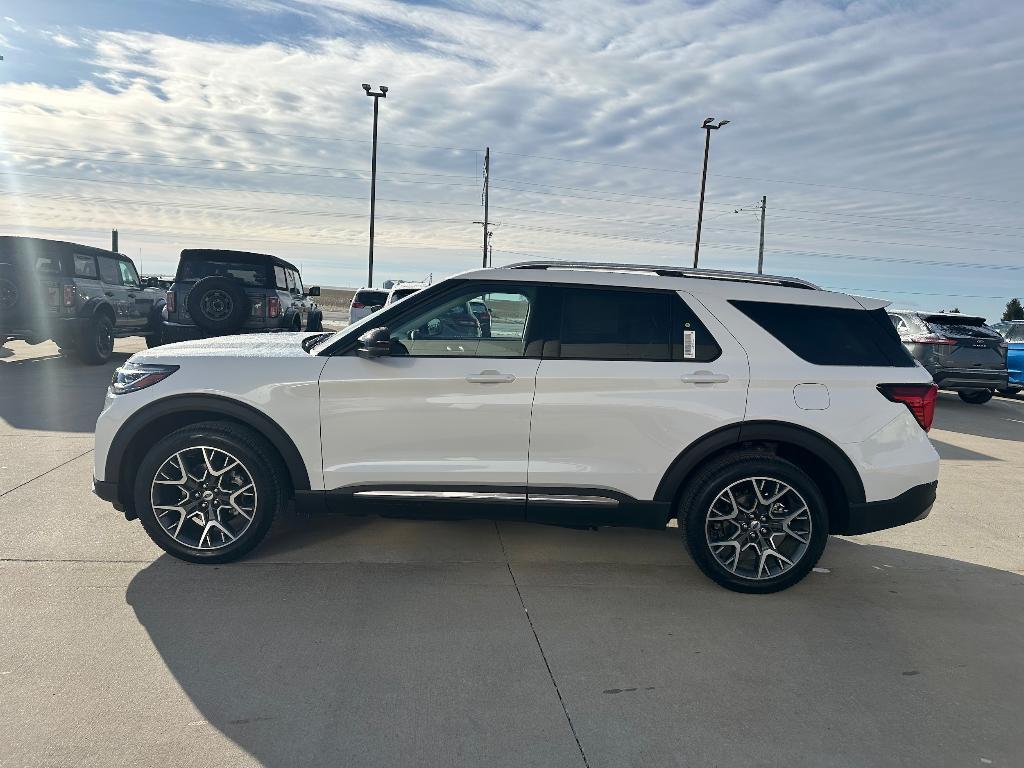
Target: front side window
(128,274)
(476,323)
(298,284)
(109,270)
(608,324)
(85,266)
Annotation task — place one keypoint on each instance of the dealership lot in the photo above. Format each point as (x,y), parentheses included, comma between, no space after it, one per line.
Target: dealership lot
(374,642)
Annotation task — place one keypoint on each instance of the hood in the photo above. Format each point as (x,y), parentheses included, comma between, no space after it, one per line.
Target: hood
(249,345)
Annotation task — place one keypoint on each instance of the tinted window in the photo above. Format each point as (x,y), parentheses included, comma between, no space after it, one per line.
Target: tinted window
(109,271)
(600,324)
(249,274)
(831,335)
(85,266)
(370,298)
(450,327)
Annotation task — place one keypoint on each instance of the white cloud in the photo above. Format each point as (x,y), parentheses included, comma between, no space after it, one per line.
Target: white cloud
(875,96)
(61,39)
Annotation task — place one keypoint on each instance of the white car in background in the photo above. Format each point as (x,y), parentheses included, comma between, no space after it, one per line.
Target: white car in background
(364,301)
(400,290)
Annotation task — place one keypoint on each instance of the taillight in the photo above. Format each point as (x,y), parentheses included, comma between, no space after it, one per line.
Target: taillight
(919,398)
(69,295)
(171,302)
(357,305)
(930,338)
(273,306)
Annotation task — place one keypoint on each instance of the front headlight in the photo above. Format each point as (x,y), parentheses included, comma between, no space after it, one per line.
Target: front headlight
(132,377)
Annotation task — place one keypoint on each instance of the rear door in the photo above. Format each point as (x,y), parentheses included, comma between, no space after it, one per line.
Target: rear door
(629,380)
(975,345)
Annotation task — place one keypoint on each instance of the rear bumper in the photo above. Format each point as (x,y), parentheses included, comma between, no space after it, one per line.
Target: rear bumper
(911,505)
(952,378)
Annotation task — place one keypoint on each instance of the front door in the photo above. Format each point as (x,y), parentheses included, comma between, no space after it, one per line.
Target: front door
(634,377)
(442,426)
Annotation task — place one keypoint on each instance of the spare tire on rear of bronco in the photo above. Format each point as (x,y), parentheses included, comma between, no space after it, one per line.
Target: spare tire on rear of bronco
(218,304)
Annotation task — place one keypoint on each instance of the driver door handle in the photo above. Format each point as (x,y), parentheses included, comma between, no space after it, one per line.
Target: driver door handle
(490,377)
(704,377)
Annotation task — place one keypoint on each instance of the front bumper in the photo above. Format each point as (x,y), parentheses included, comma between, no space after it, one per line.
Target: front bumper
(108,492)
(910,506)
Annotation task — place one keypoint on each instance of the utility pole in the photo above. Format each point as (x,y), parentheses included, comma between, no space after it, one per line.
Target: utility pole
(113,240)
(708,127)
(760,249)
(382,93)
(487,189)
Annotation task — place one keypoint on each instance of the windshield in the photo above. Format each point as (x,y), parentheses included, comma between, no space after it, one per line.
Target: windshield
(250,275)
(1013,332)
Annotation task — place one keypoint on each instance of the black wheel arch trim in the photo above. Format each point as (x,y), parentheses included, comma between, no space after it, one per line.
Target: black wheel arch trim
(216,404)
(761,431)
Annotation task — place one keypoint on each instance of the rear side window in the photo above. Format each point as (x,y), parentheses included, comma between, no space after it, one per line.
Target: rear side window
(601,324)
(109,270)
(831,335)
(280,279)
(85,266)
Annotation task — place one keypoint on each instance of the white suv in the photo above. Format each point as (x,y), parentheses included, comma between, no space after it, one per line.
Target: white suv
(760,412)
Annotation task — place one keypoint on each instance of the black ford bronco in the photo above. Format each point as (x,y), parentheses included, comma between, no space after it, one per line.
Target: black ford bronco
(81,297)
(217,292)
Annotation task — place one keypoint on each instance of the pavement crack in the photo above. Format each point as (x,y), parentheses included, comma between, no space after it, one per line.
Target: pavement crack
(42,474)
(540,647)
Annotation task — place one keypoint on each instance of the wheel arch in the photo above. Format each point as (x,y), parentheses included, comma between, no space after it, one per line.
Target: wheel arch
(146,426)
(826,463)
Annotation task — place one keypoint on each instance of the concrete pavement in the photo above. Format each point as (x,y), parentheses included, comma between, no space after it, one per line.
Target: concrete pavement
(364,642)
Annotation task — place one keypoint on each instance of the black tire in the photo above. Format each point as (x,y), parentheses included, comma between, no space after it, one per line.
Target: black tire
(96,345)
(257,458)
(315,321)
(976,396)
(732,471)
(1010,391)
(218,304)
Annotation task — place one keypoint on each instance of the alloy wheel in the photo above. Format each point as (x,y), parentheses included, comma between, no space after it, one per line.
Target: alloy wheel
(758,528)
(203,497)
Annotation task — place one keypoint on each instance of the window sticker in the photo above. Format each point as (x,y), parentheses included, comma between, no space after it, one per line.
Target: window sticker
(689,345)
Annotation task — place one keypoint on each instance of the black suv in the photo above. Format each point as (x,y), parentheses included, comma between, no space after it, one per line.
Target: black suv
(959,351)
(217,292)
(81,297)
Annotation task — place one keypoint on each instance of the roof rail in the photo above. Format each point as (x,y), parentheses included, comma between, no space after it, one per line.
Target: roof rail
(702,274)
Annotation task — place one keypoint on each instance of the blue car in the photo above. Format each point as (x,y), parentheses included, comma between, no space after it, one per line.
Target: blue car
(1013,332)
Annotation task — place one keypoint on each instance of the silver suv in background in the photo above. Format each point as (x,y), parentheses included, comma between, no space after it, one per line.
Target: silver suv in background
(960,352)
(365,302)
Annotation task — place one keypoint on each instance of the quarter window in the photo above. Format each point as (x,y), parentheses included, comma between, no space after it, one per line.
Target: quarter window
(472,324)
(109,271)
(602,324)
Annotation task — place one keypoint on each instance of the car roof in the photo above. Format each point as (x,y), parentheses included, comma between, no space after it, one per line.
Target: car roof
(14,241)
(704,282)
(222,253)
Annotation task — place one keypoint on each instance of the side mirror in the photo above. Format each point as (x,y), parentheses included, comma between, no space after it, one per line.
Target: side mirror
(375,343)
(314,290)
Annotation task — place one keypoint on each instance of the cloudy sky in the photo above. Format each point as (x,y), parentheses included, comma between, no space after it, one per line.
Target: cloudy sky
(888,136)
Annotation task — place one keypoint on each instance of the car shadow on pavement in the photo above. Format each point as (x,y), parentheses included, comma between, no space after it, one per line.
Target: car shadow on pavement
(53,393)
(951,452)
(882,657)
(1000,418)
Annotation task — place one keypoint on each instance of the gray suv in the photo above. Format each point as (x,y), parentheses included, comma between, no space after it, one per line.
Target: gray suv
(218,292)
(959,351)
(81,297)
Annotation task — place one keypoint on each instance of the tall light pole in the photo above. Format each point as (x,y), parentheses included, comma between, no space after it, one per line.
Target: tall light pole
(708,126)
(382,93)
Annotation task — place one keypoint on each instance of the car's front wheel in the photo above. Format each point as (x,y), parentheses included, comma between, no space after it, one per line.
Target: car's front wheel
(96,345)
(976,396)
(754,522)
(208,492)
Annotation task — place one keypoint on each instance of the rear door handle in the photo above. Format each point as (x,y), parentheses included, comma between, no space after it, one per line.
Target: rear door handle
(704,377)
(490,377)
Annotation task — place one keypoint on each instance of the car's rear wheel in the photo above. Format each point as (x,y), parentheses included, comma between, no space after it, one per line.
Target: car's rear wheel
(976,396)
(208,492)
(754,522)
(315,321)
(96,346)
